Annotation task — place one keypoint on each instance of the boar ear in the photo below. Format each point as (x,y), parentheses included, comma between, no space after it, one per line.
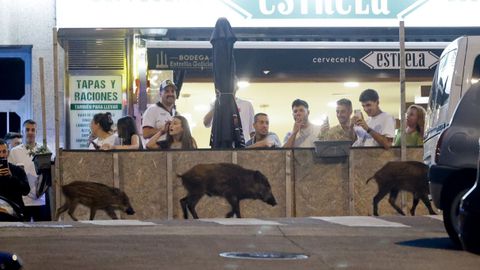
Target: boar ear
(257,175)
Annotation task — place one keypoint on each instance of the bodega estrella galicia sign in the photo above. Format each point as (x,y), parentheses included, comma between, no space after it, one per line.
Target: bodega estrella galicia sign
(391,60)
(323,9)
(89,95)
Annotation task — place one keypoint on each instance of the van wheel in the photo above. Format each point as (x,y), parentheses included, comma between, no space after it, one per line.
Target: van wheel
(451,215)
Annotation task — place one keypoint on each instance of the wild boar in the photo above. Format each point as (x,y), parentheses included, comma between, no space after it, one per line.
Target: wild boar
(95,196)
(230,181)
(395,176)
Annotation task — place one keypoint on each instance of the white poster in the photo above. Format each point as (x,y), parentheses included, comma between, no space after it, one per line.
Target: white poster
(90,95)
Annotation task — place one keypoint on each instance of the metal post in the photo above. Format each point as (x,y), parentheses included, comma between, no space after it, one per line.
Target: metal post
(57,182)
(403,143)
(403,151)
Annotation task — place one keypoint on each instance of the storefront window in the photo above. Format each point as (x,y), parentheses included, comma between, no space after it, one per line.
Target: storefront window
(12,76)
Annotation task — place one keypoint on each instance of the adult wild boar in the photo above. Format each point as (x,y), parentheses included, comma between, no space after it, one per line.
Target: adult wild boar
(96,196)
(395,176)
(230,181)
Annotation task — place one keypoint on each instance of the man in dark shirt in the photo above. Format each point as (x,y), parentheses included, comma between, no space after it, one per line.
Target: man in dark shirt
(13,183)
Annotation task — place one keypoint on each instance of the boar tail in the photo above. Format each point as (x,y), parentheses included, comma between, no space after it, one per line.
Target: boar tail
(369,179)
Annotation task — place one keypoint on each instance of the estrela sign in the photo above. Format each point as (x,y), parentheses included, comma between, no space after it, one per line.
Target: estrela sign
(323,9)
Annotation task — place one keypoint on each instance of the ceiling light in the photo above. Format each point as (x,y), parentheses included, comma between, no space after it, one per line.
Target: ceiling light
(266,72)
(320,120)
(201,108)
(351,84)
(421,100)
(243,84)
(474,81)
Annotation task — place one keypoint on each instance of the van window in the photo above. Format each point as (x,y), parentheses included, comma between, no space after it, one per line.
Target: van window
(476,71)
(443,79)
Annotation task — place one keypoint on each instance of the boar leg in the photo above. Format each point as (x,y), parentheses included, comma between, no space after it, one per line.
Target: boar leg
(192,201)
(392,199)
(426,201)
(183,203)
(111,212)
(380,194)
(234,203)
(71,209)
(414,205)
(93,211)
(62,209)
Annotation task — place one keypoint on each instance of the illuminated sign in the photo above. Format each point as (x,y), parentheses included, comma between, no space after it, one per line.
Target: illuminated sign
(265,13)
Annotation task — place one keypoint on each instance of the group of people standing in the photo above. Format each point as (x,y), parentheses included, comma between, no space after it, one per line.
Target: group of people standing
(164,128)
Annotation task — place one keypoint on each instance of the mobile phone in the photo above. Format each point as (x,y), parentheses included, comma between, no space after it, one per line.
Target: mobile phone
(3,163)
(358,113)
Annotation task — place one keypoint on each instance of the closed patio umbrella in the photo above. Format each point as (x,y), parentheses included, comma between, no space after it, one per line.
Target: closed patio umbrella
(226,127)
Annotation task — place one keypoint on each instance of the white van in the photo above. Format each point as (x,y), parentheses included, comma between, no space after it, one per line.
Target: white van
(453,128)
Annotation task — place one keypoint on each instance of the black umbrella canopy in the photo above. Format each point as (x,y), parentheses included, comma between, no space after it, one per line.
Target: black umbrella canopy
(226,127)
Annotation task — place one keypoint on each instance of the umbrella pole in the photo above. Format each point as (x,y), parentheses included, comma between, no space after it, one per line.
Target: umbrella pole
(42,93)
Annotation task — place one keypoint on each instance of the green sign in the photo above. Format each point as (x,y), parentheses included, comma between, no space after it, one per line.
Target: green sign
(88,95)
(324,9)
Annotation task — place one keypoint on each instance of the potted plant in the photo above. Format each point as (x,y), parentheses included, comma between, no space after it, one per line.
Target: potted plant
(41,158)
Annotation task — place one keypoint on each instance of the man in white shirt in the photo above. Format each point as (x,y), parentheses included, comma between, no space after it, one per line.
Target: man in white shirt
(158,115)
(35,208)
(304,133)
(379,128)
(245,108)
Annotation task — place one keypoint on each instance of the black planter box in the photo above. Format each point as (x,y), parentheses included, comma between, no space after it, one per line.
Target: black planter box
(42,161)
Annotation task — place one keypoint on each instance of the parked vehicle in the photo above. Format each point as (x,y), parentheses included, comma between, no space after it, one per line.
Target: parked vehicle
(470,216)
(453,128)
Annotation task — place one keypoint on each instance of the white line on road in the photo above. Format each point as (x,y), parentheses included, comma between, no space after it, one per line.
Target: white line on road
(32,225)
(241,221)
(362,222)
(437,217)
(119,222)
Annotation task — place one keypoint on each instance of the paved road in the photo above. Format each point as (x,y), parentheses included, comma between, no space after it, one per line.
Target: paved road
(331,243)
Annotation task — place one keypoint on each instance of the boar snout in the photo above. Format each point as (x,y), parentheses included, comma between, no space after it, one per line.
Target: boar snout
(271,200)
(129,211)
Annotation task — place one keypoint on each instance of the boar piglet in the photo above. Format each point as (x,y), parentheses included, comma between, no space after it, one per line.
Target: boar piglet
(96,196)
(230,181)
(395,176)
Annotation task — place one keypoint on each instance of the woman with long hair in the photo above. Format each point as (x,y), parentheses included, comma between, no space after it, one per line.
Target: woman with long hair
(178,136)
(415,127)
(127,134)
(101,128)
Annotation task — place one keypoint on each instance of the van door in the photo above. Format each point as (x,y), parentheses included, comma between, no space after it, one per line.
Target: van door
(444,95)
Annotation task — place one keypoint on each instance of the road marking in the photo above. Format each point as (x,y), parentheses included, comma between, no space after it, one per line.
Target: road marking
(437,217)
(11,224)
(119,222)
(362,222)
(32,225)
(241,221)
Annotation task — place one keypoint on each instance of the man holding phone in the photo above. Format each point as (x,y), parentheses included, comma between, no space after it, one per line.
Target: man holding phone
(13,180)
(344,130)
(36,208)
(379,128)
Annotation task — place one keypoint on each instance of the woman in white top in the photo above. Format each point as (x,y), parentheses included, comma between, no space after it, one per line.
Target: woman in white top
(101,127)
